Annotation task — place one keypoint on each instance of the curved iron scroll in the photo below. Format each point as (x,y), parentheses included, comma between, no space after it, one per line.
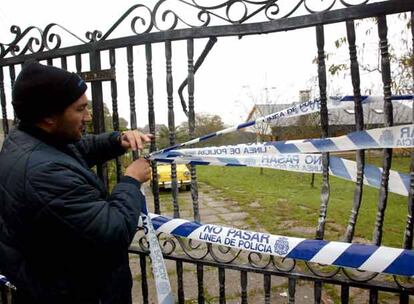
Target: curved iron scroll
(36,40)
(200,251)
(167,15)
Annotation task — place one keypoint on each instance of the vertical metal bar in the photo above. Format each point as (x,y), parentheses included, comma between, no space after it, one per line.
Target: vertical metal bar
(387,153)
(3,104)
(267,282)
(12,73)
(115,116)
(359,125)
(49,61)
(64,62)
(359,154)
(320,38)
(200,283)
(222,285)
(344,294)
(325,188)
(180,282)
(408,234)
(98,109)
(373,296)
(292,290)
(171,125)
(404,298)
(78,60)
(191,124)
(388,121)
(243,283)
(144,282)
(151,122)
(318,292)
(131,91)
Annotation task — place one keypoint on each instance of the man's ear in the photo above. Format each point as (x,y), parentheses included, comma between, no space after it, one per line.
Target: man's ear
(50,120)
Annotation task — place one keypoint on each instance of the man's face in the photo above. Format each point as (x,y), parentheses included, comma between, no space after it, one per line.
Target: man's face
(70,124)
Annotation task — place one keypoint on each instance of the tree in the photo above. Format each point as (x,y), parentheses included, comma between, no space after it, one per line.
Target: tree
(108,120)
(163,136)
(401,57)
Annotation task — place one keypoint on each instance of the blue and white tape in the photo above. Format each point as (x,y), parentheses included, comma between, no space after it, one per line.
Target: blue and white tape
(305,163)
(162,282)
(308,107)
(5,282)
(359,256)
(390,137)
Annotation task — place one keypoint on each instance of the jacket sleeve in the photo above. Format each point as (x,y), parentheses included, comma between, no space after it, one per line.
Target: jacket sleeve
(72,203)
(96,149)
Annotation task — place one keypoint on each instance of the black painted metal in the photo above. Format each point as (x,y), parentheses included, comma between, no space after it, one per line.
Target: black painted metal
(78,62)
(180,282)
(3,103)
(151,123)
(243,285)
(197,65)
(98,110)
(408,236)
(191,124)
(222,284)
(359,125)
(320,40)
(292,290)
(373,296)
(144,281)
(344,294)
(267,284)
(131,91)
(388,121)
(115,116)
(63,62)
(325,189)
(387,153)
(12,73)
(50,48)
(200,283)
(171,125)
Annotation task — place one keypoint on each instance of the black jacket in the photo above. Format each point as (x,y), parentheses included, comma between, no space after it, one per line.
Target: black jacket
(62,238)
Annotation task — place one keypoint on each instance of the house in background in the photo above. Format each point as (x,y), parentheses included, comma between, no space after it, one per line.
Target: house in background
(341,121)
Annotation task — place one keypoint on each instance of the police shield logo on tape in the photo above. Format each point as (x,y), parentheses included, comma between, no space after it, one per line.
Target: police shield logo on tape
(281,246)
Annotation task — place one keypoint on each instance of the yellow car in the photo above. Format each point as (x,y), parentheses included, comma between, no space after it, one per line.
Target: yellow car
(164,176)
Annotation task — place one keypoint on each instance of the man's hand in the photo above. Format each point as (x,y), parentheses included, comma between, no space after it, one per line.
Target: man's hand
(140,170)
(134,140)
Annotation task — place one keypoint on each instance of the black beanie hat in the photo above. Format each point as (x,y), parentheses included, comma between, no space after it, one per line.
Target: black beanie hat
(40,91)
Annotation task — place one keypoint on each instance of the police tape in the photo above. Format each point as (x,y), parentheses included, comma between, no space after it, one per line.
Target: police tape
(390,137)
(304,108)
(372,258)
(162,282)
(399,183)
(5,282)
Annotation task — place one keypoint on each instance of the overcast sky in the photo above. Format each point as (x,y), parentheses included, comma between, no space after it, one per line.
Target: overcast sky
(237,73)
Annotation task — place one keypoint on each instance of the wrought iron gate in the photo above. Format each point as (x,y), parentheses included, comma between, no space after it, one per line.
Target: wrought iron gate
(149,27)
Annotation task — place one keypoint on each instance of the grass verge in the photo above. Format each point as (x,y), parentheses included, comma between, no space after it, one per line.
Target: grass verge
(284,202)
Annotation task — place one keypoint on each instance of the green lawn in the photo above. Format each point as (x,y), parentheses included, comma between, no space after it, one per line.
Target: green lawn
(287,197)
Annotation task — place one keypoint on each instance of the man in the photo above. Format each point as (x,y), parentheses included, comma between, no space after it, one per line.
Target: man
(63,239)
